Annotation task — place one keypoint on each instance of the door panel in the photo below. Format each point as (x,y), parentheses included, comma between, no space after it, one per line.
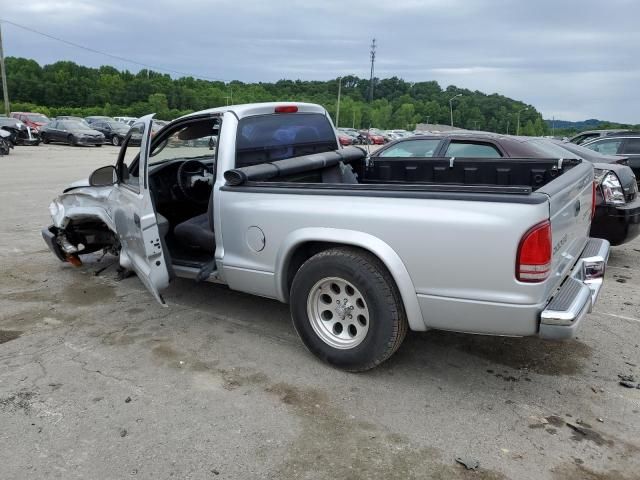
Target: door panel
(134,215)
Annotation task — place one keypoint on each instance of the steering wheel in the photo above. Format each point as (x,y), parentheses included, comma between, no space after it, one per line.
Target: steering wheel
(193,180)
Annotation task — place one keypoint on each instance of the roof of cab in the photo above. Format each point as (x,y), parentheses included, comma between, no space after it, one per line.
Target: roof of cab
(250,109)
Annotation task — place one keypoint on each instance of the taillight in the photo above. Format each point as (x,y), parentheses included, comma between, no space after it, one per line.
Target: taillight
(533,262)
(286,109)
(593,199)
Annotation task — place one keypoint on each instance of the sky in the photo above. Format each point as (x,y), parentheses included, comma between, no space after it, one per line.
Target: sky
(571,60)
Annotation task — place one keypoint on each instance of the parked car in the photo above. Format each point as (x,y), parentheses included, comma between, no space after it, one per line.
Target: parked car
(617,214)
(344,139)
(32,120)
(385,136)
(71,132)
(265,214)
(356,139)
(98,118)
(625,145)
(371,138)
(617,217)
(114,132)
(589,135)
(19,133)
(126,120)
(5,144)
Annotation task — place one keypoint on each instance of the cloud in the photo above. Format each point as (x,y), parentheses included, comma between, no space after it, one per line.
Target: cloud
(574,59)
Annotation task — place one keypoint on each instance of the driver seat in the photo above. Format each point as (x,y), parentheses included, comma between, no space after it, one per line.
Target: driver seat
(197,232)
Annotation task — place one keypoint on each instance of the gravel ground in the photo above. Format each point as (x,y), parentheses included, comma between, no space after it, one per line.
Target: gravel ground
(98,381)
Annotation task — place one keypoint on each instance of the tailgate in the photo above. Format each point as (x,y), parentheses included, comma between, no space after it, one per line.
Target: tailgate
(570,200)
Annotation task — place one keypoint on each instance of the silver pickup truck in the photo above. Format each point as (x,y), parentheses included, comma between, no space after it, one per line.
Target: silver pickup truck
(261,197)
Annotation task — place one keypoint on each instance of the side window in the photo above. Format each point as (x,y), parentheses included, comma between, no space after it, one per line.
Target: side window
(585,138)
(53,125)
(606,147)
(412,148)
(631,146)
(472,150)
(129,152)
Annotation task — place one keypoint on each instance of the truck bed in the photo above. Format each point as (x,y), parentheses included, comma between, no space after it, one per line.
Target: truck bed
(521,172)
(489,175)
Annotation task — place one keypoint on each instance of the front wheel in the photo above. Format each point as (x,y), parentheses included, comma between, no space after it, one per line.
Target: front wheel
(115,141)
(347,309)
(72,140)
(44,139)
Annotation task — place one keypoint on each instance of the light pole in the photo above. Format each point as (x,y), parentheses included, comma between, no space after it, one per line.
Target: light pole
(451,105)
(338,106)
(518,126)
(3,72)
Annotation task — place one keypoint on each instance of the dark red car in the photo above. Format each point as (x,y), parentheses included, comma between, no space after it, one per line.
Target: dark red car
(32,120)
(345,140)
(372,138)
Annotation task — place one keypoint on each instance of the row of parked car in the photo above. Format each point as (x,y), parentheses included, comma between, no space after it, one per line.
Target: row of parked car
(30,128)
(372,136)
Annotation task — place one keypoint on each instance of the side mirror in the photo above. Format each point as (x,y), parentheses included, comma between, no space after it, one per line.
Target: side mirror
(103,177)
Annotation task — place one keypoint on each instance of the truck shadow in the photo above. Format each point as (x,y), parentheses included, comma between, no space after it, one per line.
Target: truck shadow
(528,354)
(433,347)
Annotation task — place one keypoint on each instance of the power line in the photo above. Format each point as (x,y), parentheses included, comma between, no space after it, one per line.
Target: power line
(116,57)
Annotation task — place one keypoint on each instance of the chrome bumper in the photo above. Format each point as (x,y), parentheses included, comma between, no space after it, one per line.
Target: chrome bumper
(577,295)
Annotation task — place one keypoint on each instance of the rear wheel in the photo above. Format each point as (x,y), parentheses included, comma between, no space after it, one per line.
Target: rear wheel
(347,309)
(115,141)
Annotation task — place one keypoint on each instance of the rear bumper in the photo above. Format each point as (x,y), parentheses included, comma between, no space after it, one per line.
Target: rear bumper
(617,224)
(563,315)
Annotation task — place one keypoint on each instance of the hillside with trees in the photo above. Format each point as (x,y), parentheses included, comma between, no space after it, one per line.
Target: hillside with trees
(65,88)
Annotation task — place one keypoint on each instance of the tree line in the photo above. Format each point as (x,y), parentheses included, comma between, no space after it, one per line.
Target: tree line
(66,88)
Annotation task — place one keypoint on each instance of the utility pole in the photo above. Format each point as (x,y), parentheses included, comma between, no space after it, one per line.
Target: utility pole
(451,106)
(475,124)
(372,55)
(353,125)
(518,127)
(508,126)
(5,92)
(338,106)
(553,126)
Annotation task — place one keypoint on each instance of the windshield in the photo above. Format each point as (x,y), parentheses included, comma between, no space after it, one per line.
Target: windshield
(37,117)
(551,149)
(72,124)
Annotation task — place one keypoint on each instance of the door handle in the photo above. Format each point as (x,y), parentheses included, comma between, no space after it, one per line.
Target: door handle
(136,220)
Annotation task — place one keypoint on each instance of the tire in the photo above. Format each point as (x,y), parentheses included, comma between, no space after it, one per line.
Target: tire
(364,289)
(115,141)
(98,144)
(44,139)
(72,141)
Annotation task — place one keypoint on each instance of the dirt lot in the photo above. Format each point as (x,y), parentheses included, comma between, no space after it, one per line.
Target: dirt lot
(98,381)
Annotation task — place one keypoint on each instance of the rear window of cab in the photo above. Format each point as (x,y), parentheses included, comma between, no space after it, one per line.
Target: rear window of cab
(267,138)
